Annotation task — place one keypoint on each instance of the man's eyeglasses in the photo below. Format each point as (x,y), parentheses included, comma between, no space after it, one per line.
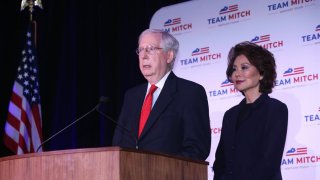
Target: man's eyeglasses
(149,49)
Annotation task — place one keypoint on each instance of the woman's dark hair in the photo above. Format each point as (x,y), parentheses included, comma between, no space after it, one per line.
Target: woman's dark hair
(259,57)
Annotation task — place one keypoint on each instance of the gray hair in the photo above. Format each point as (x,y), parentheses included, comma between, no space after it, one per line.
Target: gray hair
(168,42)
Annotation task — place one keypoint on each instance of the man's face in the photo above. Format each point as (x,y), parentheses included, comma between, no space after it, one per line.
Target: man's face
(153,60)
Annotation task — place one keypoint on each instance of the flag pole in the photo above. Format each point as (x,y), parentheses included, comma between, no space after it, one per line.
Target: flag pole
(31,4)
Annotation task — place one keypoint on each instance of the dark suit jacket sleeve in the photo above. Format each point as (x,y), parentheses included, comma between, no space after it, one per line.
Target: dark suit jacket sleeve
(219,163)
(118,131)
(274,141)
(124,135)
(197,136)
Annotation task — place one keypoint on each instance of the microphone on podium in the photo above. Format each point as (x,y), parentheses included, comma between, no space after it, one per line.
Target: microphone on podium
(73,122)
(102,99)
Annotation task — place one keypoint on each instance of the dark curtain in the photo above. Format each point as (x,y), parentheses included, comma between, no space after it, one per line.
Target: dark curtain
(86,49)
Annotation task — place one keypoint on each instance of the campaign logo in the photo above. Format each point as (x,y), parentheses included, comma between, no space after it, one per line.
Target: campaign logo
(293,76)
(229,14)
(260,39)
(299,156)
(287,6)
(228,9)
(293,71)
(200,56)
(171,22)
(265,41)
(297,151)
(199,51)
(226,89)
(226,83)
(175,25)
(312,37)
(312,118)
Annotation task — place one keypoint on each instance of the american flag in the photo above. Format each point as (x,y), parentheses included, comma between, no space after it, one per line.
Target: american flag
(23,132)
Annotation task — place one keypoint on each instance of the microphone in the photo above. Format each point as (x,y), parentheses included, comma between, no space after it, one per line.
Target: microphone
(104,100)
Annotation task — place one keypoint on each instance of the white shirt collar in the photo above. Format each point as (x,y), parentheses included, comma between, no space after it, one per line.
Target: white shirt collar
(160,84)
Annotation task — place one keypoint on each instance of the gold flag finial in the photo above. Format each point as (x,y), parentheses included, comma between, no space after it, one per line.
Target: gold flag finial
(31,4)
(38,3)
(26,3)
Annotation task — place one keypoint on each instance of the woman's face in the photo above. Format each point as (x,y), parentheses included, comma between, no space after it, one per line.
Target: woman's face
(245,76)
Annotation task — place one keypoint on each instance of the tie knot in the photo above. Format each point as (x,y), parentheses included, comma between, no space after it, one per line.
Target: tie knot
(152,89)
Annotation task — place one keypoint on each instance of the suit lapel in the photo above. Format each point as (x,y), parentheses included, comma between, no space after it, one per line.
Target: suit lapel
(164,99)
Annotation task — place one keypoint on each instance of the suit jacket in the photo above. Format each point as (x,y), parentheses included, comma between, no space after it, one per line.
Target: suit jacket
(254,150)
(178,123)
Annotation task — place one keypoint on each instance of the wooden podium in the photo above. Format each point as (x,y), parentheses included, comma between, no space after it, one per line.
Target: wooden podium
(111,163)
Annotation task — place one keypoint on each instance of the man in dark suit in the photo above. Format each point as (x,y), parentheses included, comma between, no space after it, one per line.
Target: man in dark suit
(178,123)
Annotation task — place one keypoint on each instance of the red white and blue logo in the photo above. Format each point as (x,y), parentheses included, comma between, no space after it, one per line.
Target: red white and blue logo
(226,83)
(229,13)
(199,51)
(228,9)
(199,56)
(265,41)
(173,21)
(299,156)
(297,151)
(260,39)
(295,76)
(288,6)
(174,25)
(293,71)
(226,89)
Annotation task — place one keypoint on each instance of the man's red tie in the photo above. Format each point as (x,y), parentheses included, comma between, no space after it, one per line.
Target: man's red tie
(146,108)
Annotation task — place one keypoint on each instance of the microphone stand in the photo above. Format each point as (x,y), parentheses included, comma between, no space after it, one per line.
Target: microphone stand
(93,109)
(96,108)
